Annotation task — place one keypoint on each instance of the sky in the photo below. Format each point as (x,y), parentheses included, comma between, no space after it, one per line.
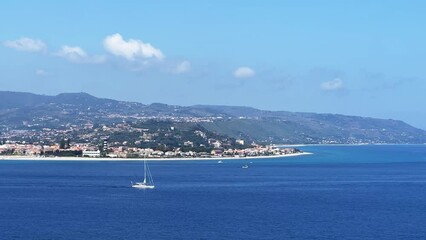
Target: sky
(353,57)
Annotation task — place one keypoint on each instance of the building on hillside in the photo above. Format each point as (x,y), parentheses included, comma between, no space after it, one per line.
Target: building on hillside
(89,153)
(188,144)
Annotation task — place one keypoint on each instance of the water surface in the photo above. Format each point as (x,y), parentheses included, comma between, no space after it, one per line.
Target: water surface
(345,192)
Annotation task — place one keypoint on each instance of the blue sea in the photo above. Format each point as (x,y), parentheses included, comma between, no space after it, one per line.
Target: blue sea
(339,192)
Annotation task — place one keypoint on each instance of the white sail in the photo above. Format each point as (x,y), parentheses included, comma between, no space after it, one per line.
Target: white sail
(245,166)
(148,181)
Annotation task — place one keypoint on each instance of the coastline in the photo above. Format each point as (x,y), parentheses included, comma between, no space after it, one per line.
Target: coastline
(344,144)
(88,159)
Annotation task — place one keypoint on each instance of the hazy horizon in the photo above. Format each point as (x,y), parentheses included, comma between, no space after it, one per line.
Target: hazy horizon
(359,58)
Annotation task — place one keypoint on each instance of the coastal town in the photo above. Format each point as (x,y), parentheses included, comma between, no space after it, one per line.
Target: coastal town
(142,139)
(89,151)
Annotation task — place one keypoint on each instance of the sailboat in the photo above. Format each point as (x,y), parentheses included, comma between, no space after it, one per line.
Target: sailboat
(245,165)
(148,182)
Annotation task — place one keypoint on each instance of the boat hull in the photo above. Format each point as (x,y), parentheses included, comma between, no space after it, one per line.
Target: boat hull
(142,186)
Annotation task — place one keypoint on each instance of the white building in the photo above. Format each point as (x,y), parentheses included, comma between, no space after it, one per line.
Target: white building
(88,153)
(217,144)
(188,144)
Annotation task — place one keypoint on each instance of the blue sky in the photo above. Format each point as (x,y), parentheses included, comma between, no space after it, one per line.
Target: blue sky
(358,57)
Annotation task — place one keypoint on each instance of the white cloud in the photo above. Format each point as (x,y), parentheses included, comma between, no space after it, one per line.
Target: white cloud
(332,85)
(78,55)
(41,72)
(183,67)
(26,44)
(131,49)
(72,53)
(244,72)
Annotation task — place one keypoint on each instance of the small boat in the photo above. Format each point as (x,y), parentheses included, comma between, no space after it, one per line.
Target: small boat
(148,182)
(220,161)
(245,165)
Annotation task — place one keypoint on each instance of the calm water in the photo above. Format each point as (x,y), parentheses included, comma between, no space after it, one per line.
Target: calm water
(351,192)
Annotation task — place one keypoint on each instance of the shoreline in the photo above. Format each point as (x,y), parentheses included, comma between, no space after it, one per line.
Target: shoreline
(88,159)
(345,144)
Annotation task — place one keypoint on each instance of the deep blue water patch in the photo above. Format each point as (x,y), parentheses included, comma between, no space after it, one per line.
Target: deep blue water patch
(344,192)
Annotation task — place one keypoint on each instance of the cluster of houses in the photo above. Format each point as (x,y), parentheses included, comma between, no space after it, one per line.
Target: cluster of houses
(86,150)
(151,153)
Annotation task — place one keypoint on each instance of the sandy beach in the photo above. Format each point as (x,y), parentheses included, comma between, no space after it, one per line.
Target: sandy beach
(35,158)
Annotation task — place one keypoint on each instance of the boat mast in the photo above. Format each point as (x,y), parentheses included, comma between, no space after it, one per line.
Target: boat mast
(144,171)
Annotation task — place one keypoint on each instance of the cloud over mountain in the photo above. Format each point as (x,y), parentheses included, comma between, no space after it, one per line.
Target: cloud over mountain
(131,49)
(332,85)
(183,67)
(244,72)
(42,72)
(26,44)
(78,55)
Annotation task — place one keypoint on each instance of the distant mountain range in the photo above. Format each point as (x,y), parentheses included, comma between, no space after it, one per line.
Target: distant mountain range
(31,111)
